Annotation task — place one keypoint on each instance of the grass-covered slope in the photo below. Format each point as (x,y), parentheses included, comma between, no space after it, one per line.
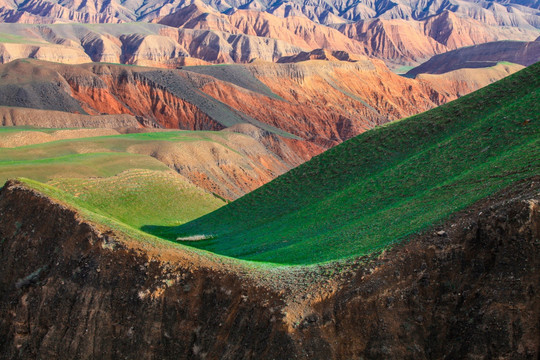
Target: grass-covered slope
(139,197)
(385,184)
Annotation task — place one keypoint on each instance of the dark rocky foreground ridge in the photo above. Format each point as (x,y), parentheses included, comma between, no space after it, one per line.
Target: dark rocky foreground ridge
(69,289)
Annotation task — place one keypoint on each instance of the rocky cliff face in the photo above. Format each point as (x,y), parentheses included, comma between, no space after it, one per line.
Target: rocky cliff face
(399,42)
(72,289)
(138,44)
(298,31)
(465,289)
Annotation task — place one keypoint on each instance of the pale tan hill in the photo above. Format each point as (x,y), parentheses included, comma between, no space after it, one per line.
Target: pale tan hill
(46,52)
(140,49)
(398,41)
(137,44)
(480,56)
(222,47)
(463,81)
(28,137)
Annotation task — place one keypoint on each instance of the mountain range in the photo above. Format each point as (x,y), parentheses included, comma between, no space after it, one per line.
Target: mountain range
(503,13)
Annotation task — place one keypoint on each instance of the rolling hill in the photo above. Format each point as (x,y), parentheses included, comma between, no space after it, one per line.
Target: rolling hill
(384,185)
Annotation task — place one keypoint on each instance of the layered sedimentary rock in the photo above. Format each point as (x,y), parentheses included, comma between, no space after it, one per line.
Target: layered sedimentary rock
(200,32)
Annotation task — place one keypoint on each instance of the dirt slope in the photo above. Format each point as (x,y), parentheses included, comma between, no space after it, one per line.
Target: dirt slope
(464,81)
(73,289)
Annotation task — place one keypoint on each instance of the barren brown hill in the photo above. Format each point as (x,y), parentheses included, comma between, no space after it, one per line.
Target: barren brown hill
(464,81)
(82,290)
(227,163)
(319,54)
(22,116)
(481,56)
(233,162)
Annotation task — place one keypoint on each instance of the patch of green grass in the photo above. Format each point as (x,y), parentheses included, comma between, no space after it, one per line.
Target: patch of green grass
(4,130)
(110,143)
(17,39)
(403,69)
(141,197)
(386,184)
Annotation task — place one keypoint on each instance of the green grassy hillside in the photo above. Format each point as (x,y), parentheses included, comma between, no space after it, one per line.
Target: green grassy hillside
(385,184)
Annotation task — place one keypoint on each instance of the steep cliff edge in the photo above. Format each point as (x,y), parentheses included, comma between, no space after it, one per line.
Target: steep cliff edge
(72,289)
